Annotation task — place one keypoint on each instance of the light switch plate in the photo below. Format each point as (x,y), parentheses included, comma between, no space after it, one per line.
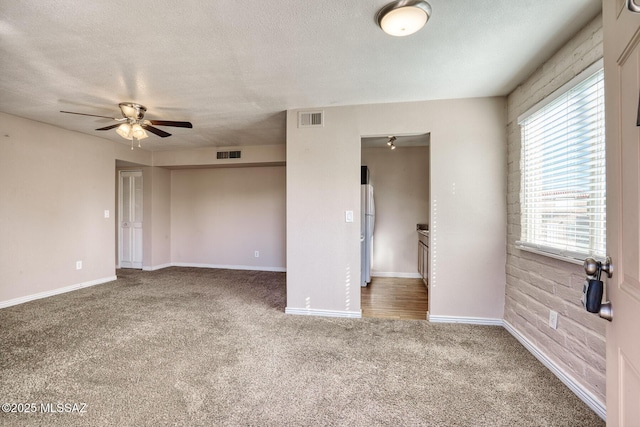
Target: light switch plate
(348,216)
(106,213)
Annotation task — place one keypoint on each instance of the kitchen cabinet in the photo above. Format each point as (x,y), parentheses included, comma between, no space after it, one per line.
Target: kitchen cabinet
(421,259)
(423,255)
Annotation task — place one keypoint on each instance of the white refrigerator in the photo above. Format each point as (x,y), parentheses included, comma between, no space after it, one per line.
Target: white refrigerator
(367,220)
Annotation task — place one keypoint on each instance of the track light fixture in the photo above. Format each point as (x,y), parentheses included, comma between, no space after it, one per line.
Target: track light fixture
(391,142)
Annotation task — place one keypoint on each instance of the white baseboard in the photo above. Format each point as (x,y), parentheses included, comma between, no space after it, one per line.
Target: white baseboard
(598,406)
(156,267)
(324,313)
(462,319)
(395,274)
(229,267)
(40,295)
(200,265)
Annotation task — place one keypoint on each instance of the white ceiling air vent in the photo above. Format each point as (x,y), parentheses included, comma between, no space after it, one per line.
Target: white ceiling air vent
(309,119)
(228,154)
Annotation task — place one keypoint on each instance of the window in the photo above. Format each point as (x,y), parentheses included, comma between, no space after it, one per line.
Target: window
(562,197)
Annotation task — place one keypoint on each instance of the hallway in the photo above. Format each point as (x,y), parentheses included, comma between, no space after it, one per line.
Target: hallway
(395,298)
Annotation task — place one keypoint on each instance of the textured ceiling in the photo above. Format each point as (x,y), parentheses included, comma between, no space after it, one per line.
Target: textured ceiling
(232,68)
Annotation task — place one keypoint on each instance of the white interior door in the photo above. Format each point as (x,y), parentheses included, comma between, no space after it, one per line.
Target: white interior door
(130,217)
(622,90)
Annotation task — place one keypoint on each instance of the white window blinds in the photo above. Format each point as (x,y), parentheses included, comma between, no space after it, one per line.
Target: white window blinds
(563,187)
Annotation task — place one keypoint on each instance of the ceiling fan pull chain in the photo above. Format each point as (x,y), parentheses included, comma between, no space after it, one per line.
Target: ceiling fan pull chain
(131,144)
(139,146)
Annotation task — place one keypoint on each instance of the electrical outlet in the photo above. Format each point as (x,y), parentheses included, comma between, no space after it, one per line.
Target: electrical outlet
(553,319)
(78,265)
(256,254)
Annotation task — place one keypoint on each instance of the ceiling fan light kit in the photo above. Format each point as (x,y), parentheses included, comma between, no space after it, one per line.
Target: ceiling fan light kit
(133,124)
(129,132)
(403,17)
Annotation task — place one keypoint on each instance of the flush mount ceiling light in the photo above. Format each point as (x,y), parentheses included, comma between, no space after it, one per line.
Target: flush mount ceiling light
(403,17)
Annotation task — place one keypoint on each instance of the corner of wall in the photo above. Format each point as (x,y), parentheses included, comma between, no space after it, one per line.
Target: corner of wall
(535,284)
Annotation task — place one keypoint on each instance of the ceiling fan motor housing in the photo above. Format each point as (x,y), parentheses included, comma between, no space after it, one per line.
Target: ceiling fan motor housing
(132,110)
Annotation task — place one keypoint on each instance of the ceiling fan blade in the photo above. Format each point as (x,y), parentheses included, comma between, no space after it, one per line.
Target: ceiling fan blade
(171,123)
(159,132)
(109,127)
(90,115)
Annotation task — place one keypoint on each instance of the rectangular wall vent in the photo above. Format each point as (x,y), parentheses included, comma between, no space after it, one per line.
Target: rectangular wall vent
(229,154)
(310,119)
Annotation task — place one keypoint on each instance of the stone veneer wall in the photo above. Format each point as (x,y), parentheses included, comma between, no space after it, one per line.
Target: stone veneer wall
(537,284)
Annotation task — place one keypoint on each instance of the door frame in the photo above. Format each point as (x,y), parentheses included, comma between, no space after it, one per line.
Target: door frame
(118,230)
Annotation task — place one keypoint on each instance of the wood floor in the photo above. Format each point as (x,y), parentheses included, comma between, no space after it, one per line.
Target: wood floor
(394,298)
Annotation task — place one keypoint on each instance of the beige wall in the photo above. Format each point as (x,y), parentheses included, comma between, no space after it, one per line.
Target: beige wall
(400,179)
(157,202)
(537,284)
(468,205)
(161,217)
(251,155)
(220,216)
(55,187)
(157,218)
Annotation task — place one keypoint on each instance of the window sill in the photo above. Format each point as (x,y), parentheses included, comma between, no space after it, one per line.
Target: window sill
(550,254)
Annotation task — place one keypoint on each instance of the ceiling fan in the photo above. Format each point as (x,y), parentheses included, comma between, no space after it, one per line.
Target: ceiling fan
(132,125)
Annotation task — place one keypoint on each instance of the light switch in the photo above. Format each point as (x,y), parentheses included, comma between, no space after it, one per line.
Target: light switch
(106,213)
(348,216)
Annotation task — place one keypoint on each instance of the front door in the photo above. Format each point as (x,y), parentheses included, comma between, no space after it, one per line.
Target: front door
(130,219)
(622,91)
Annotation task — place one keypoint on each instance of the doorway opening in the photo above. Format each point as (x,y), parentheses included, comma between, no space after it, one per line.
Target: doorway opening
(130,196)
(399,174)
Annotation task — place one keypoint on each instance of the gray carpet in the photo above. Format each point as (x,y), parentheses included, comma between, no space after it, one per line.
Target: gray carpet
(207,347)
